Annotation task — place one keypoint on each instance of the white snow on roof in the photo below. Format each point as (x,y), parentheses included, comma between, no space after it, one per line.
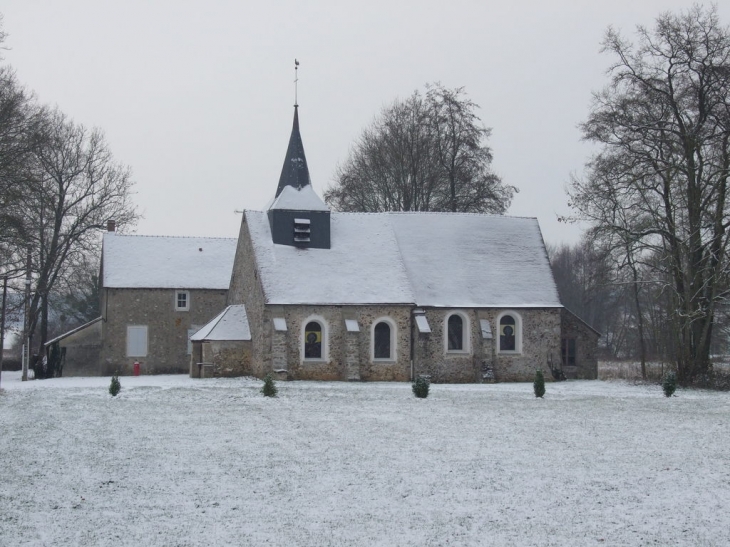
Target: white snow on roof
(427,259)
(362,267)
(474,260)
(303,199)
(167,262)
(230,324)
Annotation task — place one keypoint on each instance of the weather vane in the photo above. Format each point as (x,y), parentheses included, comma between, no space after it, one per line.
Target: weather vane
(296,79)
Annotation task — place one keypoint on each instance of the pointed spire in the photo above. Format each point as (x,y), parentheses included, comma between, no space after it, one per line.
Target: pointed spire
(295,171)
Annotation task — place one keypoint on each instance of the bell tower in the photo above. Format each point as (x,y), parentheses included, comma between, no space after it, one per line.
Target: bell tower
(298,216)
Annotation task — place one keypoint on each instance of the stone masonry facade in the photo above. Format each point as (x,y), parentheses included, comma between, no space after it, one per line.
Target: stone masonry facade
(539,331)
(246,289)
(346,355)
(349,355)
(216,359)
(167,328)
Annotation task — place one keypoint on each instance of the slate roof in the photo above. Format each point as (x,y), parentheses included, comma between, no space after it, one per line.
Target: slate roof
(426,259)
(294,172)
(159,262)
(231,324)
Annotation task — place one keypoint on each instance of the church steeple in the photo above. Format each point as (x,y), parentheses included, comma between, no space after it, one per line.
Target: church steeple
(298,216)
(295,171)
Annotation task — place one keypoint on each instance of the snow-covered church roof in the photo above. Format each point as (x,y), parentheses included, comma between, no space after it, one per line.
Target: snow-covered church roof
(132,261)
(426,259)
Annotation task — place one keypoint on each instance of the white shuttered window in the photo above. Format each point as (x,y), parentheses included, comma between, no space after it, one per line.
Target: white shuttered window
(137,341)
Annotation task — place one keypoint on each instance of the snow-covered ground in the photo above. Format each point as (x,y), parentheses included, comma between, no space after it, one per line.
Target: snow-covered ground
(177,461)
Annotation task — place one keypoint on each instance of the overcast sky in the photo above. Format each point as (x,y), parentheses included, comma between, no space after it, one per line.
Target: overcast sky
(197,96)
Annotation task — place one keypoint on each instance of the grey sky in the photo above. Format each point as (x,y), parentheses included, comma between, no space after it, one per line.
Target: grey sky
(197,96)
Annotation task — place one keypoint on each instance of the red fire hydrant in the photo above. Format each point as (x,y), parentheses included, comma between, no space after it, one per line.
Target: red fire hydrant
(136,368)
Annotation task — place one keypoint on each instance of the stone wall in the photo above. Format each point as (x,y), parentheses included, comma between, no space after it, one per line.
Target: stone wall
(246,289)
(586,346)
(229,359)
(540,345)
(540,340)
(431,357)
(167,329)
(348,355)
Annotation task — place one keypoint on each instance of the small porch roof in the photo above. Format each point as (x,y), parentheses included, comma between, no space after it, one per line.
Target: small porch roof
(72,331)
(229,325)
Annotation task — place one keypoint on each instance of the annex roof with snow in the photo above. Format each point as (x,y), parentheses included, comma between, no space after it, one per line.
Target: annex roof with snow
(425,259)
(152,262)
(229,325)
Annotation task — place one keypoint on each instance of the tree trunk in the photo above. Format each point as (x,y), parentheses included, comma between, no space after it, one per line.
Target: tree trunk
(639,317)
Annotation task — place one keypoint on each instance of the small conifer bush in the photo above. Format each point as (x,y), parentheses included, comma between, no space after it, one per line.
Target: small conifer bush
(669,385)
(269,388)
(420,387)
(115,386)
(539,384)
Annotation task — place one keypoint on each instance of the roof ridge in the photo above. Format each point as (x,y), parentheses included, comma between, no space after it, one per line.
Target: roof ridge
(444,213)
(441,213)
(171,237)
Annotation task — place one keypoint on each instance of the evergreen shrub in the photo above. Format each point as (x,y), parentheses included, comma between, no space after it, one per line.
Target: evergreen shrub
(539,384)
(420,387)
(269,388)
(115,386)
(669,385)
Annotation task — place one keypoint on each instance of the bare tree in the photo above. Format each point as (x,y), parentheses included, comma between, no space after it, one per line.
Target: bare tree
(586,284)
(466,180)
(75,299)
(422,154)
(20,121)
(74,187)
(660,179)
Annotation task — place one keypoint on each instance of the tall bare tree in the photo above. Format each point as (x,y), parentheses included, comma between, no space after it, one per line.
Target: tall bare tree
(422,154)
(390,167)
(20,122)
(660,179)
(75,186)
(466,180)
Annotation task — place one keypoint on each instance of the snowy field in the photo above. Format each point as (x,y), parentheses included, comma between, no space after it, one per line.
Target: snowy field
(175,461)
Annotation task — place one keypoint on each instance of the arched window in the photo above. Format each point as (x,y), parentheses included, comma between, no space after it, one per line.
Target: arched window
(383,340)
(313,340)
(455,333)
(508,333)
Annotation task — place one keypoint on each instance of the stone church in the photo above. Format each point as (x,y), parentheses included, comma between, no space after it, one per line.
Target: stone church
(322,295)
(307,293)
